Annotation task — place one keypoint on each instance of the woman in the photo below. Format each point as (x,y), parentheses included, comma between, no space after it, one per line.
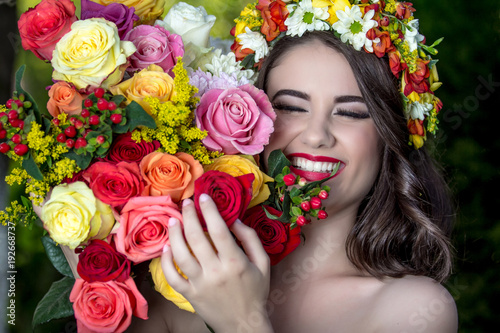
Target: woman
(374,265)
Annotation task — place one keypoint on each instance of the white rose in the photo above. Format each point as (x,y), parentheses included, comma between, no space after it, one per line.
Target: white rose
(193,24)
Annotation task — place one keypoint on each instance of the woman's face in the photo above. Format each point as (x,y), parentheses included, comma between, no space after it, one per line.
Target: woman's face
(322,119)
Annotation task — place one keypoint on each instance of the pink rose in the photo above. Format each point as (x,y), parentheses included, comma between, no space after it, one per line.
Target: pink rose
(238,120)
(114,184)
(43,26)
(143,227)
(155,45)
(106,306)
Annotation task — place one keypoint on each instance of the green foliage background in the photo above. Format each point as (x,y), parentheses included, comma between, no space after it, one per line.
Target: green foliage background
(467,147)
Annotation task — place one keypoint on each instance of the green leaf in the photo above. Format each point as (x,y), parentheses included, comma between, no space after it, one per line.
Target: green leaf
(296,211)
(83,160)
(27,96)
(276,162)
(55,304)
(32,168)
(56,256)
(136,116)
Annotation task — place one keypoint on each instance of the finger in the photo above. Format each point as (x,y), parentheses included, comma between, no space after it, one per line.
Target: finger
(180,251)
(218,230)
(195,236)
(252,246)
(173,277)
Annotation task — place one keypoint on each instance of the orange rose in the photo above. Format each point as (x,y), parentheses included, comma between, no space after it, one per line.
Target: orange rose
(172,175)
(63,98)
(274,14)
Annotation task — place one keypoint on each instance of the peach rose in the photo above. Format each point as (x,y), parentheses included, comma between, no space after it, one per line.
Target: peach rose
(106,306)
(172,175)
(63,98)
(143,227)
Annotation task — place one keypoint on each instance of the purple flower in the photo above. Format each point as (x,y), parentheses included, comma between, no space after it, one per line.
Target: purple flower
(117,13)
(205,81)
(155,45)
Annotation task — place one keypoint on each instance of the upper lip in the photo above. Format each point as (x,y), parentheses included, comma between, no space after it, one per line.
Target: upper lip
(315,158)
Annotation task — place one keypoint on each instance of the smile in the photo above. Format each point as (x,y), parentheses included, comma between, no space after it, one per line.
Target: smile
(313,168)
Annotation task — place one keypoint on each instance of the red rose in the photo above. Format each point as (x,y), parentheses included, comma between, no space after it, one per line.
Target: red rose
(100,261)
(127,150)
(114,184)
(276,237)
(43,26)
(232,195)
(143,227)
(106,306)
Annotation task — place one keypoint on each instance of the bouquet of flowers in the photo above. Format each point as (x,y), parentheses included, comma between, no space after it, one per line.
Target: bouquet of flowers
(142,114)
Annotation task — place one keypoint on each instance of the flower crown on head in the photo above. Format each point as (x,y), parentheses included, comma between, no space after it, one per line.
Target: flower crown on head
(384,28)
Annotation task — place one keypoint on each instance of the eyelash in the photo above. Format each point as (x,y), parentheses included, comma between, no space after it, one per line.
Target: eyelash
(340,112)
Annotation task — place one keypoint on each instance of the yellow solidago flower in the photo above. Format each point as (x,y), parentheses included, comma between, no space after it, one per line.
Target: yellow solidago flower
(17,176)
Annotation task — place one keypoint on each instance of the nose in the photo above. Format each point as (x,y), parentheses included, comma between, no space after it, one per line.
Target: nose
(318,132)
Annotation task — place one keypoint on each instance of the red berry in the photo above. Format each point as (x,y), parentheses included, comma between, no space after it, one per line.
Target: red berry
(302,181)
(2,114)
(385,21)
(102,104)
(305,206)
(70,131)
(282,198)
(323,195)
(20,124)
(99,92)
(13,114)
(112,106)
(61,137)
(100,139)
(72,120)
(4,147)
(322,215)
(88,103)
(85,113)
(70,143)
(56,121)
(94,120)
(80,143)
(19,103)
(116,118)
(315,203)
(289,179)
(14,122)
(3,134)
(78,124)
(20,149)
(16,138)
(8,104)
(301,221)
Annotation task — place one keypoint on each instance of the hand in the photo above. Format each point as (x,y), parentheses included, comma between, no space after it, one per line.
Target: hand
(228,287)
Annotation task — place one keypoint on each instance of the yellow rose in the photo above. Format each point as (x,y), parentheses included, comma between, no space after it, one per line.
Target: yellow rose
(103,221)
(149,82)
(67,215)
(164,288)
(333,6)
(91,54)
(237,165)
(147,10)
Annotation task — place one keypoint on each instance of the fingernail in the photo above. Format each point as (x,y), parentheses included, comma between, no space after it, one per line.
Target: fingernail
(204,197)
(186,202)
(166,248)
(172,221)
(238,221)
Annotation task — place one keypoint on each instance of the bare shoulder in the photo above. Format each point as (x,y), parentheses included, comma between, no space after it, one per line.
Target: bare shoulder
(414,304)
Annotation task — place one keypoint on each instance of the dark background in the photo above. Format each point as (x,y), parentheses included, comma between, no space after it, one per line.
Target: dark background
(467,146)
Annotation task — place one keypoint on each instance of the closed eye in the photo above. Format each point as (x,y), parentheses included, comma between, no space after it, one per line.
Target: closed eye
(287,108)
(353,114)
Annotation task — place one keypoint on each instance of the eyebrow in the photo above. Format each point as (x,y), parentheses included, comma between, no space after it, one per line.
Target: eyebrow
(338,99)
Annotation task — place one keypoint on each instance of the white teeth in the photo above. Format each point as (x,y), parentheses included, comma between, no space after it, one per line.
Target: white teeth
(308,165)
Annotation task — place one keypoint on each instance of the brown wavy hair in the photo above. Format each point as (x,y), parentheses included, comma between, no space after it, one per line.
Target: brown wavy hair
(404,224)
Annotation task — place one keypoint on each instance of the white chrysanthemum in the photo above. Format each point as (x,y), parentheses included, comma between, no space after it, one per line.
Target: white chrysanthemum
(353,26)
(254,41)
(305,17)
(417,110)
(222,63)
(412,36)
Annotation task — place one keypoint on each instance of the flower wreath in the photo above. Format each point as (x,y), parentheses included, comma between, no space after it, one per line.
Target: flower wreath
(384,28)
(133,127)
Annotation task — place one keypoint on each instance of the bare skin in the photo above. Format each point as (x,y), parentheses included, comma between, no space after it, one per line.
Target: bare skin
(316,288)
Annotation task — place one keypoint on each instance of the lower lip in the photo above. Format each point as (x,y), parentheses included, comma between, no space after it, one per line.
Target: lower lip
(313,176)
